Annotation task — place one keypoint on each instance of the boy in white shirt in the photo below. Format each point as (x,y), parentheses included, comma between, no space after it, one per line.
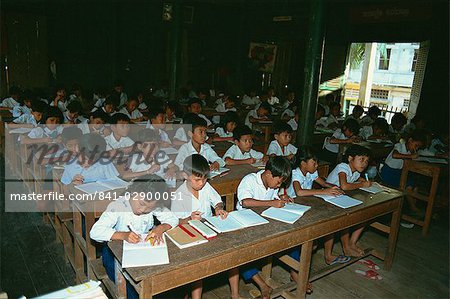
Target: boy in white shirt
(96,123)
(26,102)
(250,99)
(332,121)
(293,122)
(198,145)
(258,114)
(282,146)
(241,152)
(13,99)
(109,105)
(131,110)
(195,106)
(157,121)
(46,133)
(357,112)
(118,139)
(378,130)
(72,113)
(129,218)
(261,190)
(31,119)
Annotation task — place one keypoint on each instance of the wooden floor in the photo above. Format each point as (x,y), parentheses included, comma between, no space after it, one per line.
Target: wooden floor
(32,263)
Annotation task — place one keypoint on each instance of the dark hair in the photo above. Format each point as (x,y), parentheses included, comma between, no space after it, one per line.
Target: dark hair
(118,82)
(196,165)
(265,105)
(112,100)
(304,153)
(399,118)
(151,184)
(71,133)
(279,167)
(119,117)
(320,108)
(14,90)
(194,120)
(281,127)
(75,106)
(352,125)
(193,101)
(374,110)
(39,106)
(92,145)
(131,99)
(382,124)
(99,113)
(335,104)
(356,150)
(417,118)
(358,108)
(419,135)
(146,135)
(53,112)
(230,116)
(153,113)
(240,131)
(27,95)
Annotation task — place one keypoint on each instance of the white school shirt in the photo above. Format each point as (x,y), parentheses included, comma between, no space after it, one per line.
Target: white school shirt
(162,134)
(334,147)
(251,113)
(247,100)
(235,153)
(208,122)
(333,177)
(100,102)
(275,148)
(119,216)
(206,151)
(61,105)
(100,170)
(397,163)
(366,121)
(20,110)
(123,98)
(293,124)
(26,119)
(142,106)
(252,186)
(221,132)
(134,114)
(322,122)
(113,143)
(139,164)
(221,108)
(331,119)
(305,181)
(86,128)
(288,112)
(9,103)
(185,202)
(366,132)
(181,135)
(44,131)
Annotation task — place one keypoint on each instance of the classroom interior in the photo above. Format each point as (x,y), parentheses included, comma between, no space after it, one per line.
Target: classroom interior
(175,54)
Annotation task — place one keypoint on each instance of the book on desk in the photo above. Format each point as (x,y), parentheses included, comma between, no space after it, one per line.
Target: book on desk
(143,253)
(290,213)
(235,220)
(342,201)
(184,236)
(103,185)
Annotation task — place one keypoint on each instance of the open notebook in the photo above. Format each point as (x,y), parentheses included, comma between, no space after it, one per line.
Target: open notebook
(374,189)
(342,201)
(87,290)
(103,185)
(259,164)
(290,213)
(219,172)
(185,236)
(144,254)
(235,220)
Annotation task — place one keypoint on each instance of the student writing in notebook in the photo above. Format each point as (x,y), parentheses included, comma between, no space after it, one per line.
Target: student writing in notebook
(195,199)
(261,190)
(282,146)
(157,122)
(346,175)
(128,218)
(241,152)
(49,132)
(118,140)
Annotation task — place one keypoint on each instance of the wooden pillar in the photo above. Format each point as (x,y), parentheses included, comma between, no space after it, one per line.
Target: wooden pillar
(175,48)
(313,65)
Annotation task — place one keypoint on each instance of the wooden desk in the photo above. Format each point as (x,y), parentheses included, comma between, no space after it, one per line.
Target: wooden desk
(230,250)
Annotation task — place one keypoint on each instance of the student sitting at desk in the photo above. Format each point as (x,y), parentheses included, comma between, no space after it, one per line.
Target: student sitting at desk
(332,121)
(372,114)
(241,152)
(169,110)
(127,218)
(72,113)
(96,123)
(282,146)
(118,139)
(346,175)
(26,101)
(180,136)
(50,132)
(258,114)
(304,174)
(398,122)
(225,131)
(347,134)
(109,105)
(130,109)
(319,117)
(261,190)
(156,121)
(227,106)
(198,145)
(87,167)
(195,106)
(357,112)
(32,119)
(378,130)
(293,122)
(149,159)
(195,199)
(13,99)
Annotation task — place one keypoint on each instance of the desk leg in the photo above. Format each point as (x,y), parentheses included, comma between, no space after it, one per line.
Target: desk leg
(303,272)
(121,282)
(146,290)
(392,242)
(229,202)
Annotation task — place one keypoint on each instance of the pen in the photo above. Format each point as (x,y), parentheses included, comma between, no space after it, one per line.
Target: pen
(134,231)
(367,177)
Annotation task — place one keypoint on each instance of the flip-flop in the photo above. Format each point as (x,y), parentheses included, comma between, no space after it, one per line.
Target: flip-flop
(369,264)
(369,274)
(342,259)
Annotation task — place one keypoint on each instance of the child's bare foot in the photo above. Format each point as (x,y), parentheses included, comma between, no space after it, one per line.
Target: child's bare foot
(353,251)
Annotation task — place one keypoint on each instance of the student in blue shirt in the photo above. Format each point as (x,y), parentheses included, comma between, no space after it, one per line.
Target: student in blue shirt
(89,166)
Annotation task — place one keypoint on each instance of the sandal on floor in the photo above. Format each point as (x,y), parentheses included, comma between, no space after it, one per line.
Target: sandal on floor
(369,264)
(342,259)
(369,274)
